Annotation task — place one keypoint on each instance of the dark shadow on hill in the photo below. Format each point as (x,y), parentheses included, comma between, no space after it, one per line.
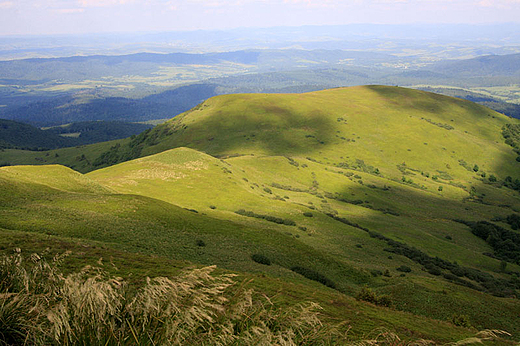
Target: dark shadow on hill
(273,130)
(431,103)
(281,132)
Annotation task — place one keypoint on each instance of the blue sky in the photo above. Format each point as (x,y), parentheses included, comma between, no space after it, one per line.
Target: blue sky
(94,16)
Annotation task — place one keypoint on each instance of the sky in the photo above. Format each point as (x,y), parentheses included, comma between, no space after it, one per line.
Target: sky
(34,17)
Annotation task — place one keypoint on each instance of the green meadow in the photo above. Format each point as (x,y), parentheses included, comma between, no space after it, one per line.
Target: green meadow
(337,191)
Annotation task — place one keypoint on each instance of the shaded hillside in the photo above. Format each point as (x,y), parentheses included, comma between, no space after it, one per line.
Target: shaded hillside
(23,136)
(89,132)
(80,108)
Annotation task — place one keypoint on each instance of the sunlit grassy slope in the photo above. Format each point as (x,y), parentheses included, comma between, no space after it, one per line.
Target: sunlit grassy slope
(400,163)
(383,126)
(137,236)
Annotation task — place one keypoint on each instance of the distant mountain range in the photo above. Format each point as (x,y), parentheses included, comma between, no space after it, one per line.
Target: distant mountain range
(311,70)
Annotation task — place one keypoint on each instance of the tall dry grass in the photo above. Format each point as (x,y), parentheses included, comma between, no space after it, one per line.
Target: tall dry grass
(41,306)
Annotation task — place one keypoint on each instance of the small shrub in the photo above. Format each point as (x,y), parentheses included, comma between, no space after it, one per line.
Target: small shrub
(460,320)
(212,207)
(404,269)
(433,269)
(268,190)
(376,272)
(492,178)
(269,218)
(384,300)
(514,221)
(314,275)
(368,295)
(289,222)
(307,214)
(448,237)
(201,243)
(261,259)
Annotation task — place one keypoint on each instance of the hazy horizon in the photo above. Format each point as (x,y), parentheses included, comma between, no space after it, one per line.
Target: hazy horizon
(57,17)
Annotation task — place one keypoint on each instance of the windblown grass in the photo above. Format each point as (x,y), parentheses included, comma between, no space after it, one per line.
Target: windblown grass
(41,306)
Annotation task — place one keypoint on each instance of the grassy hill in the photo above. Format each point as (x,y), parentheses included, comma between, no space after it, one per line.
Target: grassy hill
(328,123)
(372,186)
(53,207)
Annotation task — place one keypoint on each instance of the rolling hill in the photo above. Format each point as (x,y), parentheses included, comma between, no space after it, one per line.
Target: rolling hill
(487,65)
(410,193)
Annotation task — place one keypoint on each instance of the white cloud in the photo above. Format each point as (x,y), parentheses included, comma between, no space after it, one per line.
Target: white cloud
(392,1)
(70,10)
(171,5)
(315,3)
(6,4)
(501,4)
(103,3)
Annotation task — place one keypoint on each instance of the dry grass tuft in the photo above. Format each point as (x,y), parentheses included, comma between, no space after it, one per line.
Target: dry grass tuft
(483,335)
(380,336)
(40,306)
